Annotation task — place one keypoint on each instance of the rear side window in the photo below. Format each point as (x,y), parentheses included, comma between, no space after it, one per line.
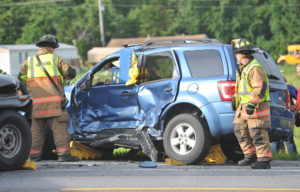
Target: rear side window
(204,63)
(159,66)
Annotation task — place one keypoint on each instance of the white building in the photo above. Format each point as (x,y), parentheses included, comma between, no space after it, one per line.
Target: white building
(12,56)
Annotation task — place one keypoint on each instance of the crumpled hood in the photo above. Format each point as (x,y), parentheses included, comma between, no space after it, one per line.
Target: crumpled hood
(8,84)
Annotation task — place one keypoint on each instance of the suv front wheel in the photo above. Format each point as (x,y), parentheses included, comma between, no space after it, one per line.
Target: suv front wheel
(15,140)
(186,139)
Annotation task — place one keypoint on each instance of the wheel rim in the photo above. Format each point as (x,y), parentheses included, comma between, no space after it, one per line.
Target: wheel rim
(10,140)
(183,139)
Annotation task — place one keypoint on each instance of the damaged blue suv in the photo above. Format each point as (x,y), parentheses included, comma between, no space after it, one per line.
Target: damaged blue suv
(179,93)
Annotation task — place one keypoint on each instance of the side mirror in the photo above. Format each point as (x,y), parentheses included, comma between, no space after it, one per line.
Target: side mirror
(86,84)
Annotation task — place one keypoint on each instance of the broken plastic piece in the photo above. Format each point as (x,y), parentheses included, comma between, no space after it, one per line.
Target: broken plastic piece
(148,164)
(147,145)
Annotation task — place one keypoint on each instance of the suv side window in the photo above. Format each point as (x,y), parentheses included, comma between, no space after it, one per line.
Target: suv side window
(159,66)
(105,75)
(204,63)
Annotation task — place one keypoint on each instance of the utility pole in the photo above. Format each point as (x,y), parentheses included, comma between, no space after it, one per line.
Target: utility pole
(101,24)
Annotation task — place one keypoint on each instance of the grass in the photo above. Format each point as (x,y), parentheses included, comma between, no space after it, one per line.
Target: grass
(289,71)
(285,156)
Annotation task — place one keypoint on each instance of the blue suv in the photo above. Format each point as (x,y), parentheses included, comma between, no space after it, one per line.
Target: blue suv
(181,97)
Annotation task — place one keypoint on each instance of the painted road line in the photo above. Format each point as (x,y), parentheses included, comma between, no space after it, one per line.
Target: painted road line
(176,188)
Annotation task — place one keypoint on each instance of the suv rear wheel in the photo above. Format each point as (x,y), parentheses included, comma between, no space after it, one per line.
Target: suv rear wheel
(186,139)
(15,140)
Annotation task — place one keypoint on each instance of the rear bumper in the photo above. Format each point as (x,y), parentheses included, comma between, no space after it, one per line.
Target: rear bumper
(282,127)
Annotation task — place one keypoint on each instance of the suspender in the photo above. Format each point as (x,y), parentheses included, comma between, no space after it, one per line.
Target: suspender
(65,100)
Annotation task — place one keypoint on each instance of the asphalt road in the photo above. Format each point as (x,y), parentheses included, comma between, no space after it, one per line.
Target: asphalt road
(128,176)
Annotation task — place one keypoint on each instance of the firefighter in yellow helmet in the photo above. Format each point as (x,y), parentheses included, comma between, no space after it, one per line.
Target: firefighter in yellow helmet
(251,101)
(47,95)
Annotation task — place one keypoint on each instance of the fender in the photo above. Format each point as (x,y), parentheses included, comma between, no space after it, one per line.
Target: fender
(216,124)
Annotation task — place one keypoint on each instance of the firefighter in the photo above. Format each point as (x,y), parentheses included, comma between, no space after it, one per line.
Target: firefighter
(48,97)
(252,104)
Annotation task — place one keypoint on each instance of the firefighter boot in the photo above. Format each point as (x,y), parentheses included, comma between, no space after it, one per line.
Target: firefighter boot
(67,158)
(247,161)
(261,165)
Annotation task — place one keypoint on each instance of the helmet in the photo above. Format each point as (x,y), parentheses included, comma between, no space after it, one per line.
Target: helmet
(243,46)
(48,40)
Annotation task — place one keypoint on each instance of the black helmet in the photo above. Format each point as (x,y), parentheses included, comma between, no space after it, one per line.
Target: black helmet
(243,46)
(48,40)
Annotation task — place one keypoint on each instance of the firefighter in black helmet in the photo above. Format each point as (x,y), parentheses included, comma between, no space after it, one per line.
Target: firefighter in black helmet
(45,74)
(252,103)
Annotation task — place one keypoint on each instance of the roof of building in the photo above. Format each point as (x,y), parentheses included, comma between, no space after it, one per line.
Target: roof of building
(31,46)
(122,41)
(97,53)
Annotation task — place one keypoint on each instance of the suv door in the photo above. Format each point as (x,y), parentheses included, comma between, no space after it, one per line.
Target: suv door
(102,100)
(158,88)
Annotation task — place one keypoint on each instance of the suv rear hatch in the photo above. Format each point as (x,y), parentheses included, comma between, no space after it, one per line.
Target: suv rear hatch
(281,116)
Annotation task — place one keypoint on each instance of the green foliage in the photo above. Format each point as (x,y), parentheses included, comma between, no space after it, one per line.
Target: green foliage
(2,72)
(270,24)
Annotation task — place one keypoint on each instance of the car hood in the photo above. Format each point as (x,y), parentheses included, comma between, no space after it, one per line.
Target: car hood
(8,84)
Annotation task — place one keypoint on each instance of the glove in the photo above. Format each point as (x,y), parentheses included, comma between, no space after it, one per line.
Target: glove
(250,108)
(233,102)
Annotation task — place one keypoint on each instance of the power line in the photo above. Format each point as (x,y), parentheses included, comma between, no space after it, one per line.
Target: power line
(156,5)
(31,3)
(201,6)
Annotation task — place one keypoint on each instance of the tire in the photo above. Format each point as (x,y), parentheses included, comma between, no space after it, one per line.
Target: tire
(186,139)
(15,140)
(231,148)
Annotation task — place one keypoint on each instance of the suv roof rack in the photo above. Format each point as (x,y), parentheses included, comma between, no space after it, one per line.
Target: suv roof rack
(132,45)
(164,42)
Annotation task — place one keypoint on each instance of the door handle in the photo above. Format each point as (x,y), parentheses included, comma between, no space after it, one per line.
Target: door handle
(126,93)
(168,89)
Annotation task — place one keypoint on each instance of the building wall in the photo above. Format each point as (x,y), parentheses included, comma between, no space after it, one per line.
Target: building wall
(4,61)
(17,57)
(67,53)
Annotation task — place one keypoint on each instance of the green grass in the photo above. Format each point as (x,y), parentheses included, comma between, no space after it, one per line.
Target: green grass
(284,156)
(289,71)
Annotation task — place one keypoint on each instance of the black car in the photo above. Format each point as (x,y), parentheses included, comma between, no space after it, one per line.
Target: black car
(15,133)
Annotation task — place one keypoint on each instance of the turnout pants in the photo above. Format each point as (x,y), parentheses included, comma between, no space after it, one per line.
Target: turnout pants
(58,126)
(253,137)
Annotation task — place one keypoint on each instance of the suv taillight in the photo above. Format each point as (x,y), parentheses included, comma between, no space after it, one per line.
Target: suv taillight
(226,90)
